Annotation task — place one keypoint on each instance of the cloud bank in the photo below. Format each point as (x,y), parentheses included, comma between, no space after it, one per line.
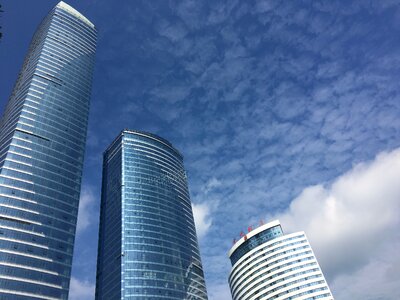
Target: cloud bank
(353,226)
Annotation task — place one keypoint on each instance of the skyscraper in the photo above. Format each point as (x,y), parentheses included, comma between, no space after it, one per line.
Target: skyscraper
(147,238)
(42,144)
(267,264)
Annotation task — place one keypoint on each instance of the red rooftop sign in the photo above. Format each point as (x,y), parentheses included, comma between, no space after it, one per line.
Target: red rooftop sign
(249,229)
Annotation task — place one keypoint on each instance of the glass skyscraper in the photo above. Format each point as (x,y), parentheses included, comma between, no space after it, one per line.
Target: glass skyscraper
(267,264)
(42,144)
(147,239)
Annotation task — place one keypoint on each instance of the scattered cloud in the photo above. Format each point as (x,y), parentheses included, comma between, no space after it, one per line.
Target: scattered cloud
(85,213)
(262,99)
(174,32)
(202,218)
(212,184)
(220,292)
(81,290)
(204,204)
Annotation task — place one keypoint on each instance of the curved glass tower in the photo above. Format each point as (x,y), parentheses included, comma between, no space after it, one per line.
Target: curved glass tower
(266,264)
(147,239)
(42,143)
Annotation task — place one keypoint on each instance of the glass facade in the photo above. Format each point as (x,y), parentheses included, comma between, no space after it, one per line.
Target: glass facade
(256,240)
(268,265)
(147,240)
(42,143)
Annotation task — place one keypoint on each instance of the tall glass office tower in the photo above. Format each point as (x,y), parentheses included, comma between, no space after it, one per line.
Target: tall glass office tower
(267,264)
(147,240)
(42,143)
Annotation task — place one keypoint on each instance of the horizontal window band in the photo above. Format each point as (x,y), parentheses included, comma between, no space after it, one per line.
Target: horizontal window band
(59,84)
(33,256)
(15,220)
(36,234)
(17,189)
(28,243)
(31,281)
(12,292)
(32,134)
(16,179)
(2,263)
(24,231)
(19,208)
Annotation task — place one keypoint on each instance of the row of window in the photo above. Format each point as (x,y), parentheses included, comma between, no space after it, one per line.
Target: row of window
(284,286)
(10,289)
(309,292)
(265,266)
(264,258)
(32,261)
(272,282)
(259,257)
(265,272)
(265,250)
(297,288)
(255,241)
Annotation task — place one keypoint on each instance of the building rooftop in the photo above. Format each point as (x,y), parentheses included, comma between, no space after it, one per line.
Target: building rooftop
(253,233)
(148,135)
(68,8)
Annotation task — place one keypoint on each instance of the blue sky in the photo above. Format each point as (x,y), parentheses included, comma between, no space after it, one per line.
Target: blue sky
(281,108)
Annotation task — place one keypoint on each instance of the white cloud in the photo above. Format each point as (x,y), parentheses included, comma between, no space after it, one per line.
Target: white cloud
(219,292)
(81,290)
(202,210)
(202,219)
(352,225)
(212,184)
(174,32)
(377,280)
(85,214)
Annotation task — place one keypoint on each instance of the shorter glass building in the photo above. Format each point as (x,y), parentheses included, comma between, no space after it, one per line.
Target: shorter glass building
(267,264)
(147,239)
